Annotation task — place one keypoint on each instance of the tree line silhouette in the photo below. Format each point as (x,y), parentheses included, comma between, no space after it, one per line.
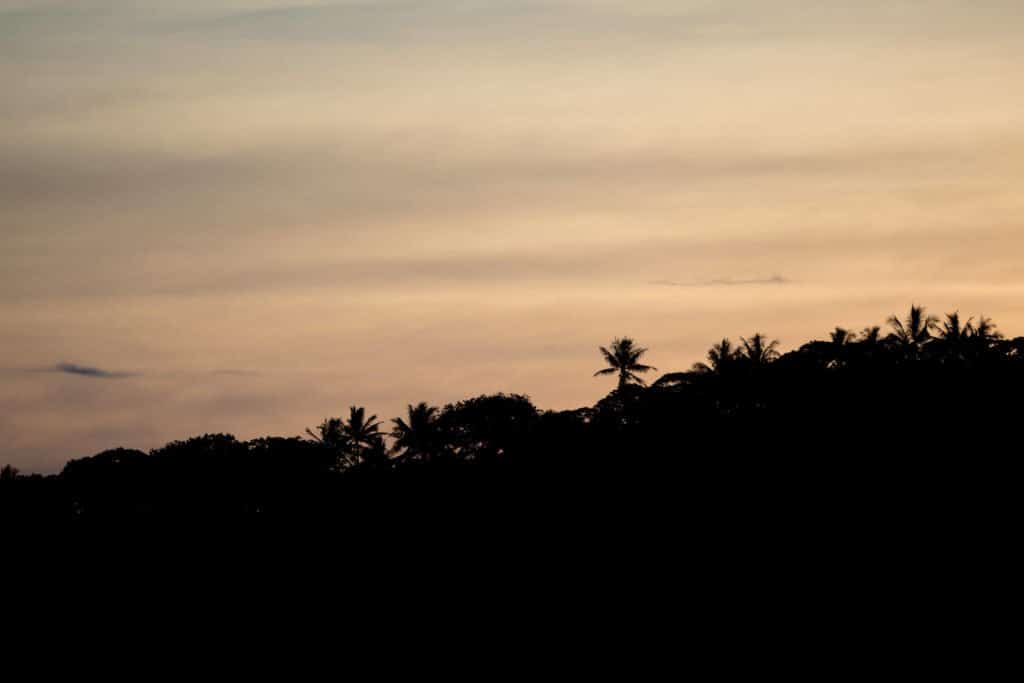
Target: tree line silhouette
(892,418)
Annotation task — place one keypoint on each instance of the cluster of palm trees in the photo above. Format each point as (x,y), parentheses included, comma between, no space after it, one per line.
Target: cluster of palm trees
(918,333)
(918,336)
(421,434)
(359,439)
(355,440)
(757,351)
(914,336)
(623,358)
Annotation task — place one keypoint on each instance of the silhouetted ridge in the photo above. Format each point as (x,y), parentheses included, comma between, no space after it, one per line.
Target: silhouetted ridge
(854,426)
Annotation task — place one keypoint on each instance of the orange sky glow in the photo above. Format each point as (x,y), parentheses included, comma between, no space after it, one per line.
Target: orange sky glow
(248,215)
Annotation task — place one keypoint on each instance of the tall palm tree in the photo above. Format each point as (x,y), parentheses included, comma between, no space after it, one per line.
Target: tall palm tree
(758,351)
(913,332)
(720,356)
(417,438)
(362,432)
(623,358)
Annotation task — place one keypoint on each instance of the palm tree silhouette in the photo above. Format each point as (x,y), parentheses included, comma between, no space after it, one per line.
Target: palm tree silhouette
(417,438)
(984,330)
(840,340)
(758,351)
(953,336)
(982,335)
(362,432)
(720,356)
(952,331)
(869,344)
(912,333)
(330,433)
(871,336)
(623,359)
(841,337)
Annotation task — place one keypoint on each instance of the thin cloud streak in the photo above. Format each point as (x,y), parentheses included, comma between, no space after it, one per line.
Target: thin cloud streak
(726,282)
(34,172)
(365,23)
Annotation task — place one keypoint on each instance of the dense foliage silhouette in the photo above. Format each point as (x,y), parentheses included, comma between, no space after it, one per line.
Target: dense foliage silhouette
(858,425)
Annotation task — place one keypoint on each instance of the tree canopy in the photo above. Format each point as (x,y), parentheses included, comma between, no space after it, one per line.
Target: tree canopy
(852,409)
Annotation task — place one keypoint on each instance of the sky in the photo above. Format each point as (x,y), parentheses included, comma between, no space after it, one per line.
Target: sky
(244,216)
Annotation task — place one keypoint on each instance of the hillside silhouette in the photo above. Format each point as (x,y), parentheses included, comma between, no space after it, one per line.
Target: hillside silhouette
(919,418)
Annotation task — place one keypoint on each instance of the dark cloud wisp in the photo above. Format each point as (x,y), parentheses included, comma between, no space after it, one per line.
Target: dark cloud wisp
(86,371)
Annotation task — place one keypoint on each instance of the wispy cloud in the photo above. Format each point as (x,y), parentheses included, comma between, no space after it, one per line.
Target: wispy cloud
(86,371)
(235,373)
(407,19)
(726,282)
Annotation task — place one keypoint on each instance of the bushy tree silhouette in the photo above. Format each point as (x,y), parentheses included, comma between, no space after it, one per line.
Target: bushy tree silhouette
(487,427)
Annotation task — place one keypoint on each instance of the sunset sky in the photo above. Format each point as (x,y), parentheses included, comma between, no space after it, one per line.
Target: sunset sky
(246,215)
